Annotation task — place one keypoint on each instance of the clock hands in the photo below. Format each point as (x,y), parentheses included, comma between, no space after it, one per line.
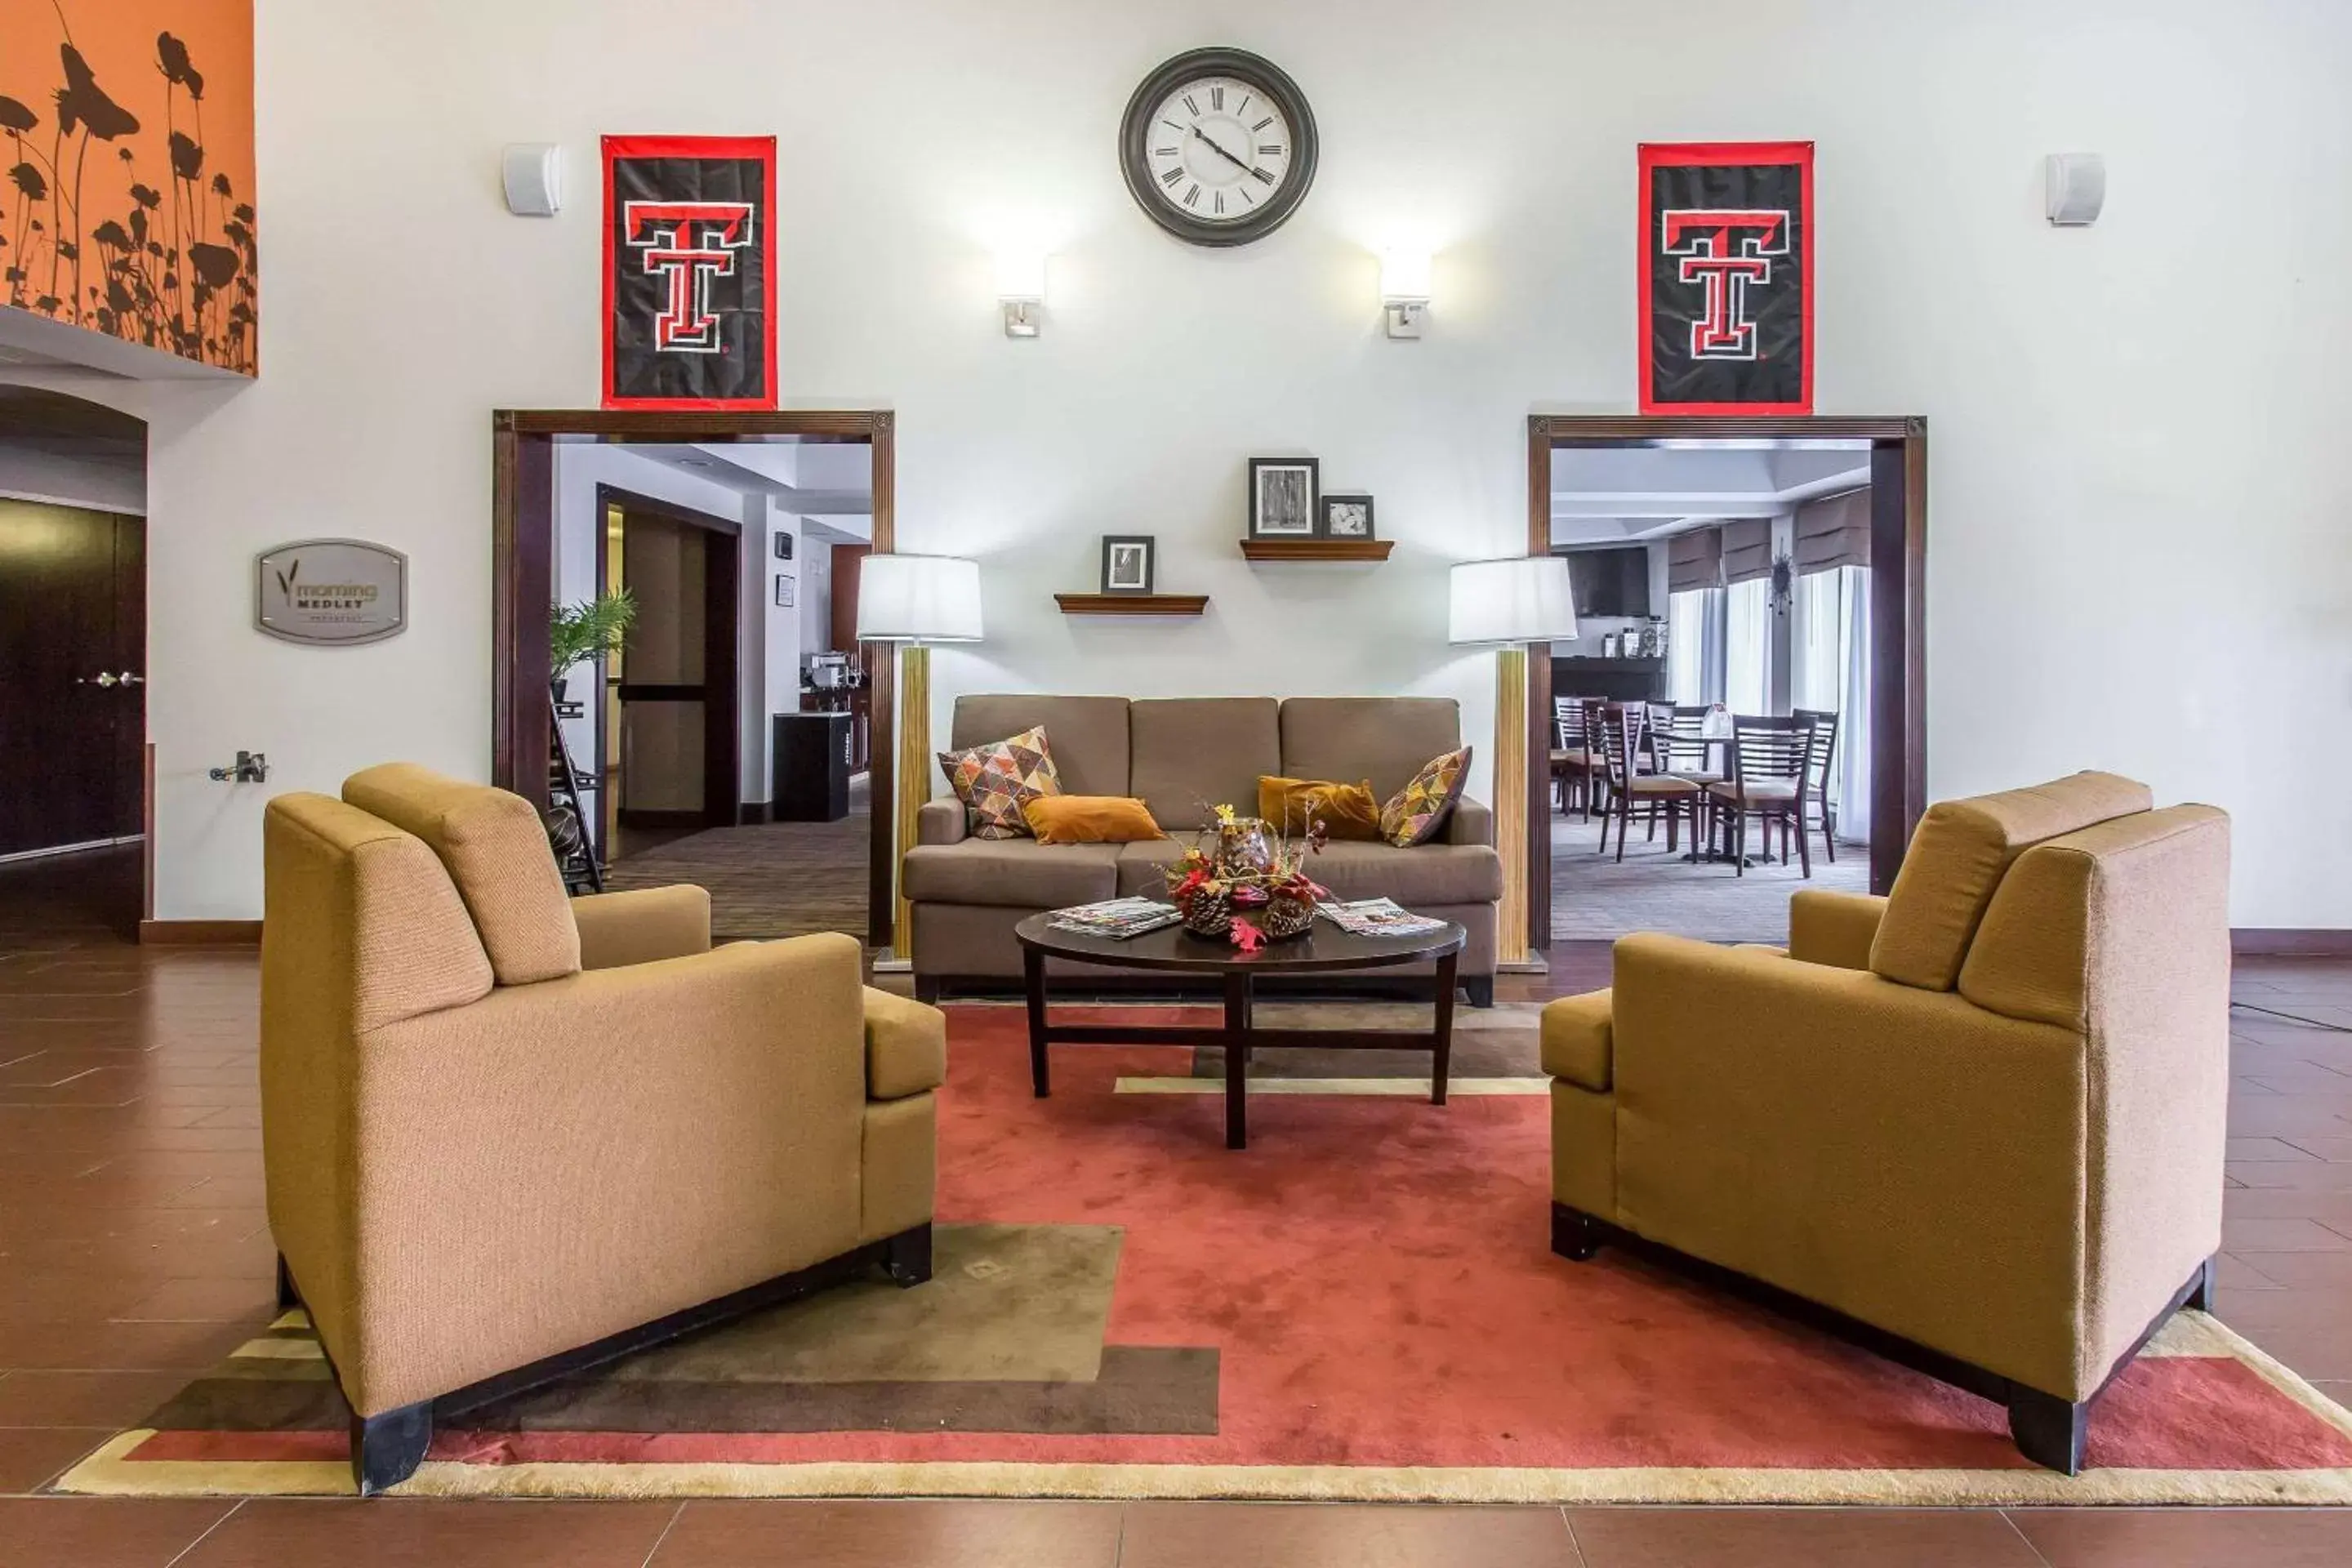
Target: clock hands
(1218,148)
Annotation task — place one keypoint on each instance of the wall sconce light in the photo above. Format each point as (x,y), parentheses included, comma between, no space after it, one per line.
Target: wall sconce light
(1404,292)
(1021,289)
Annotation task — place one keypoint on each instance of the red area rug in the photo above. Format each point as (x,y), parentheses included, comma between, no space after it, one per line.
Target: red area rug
(1361,1305)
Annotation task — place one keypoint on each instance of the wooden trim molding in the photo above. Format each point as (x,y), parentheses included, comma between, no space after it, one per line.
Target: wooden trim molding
(2288,941)
(199,933)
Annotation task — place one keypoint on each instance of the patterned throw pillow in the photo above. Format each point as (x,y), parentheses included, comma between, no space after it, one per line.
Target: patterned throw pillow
(995,781)
(1414,814)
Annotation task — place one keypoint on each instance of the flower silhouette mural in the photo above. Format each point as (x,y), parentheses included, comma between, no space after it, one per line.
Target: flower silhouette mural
(117,212)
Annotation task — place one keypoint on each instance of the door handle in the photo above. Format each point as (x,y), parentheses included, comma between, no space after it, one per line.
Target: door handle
(127,678)
(105,678)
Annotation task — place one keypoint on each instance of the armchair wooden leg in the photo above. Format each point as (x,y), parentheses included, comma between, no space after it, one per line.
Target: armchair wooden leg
(2048,1429)
(2200,1288)
(387,1448)
(928,990)
(288,1297)
(906,1257)
(1480,989)
(1575,1235)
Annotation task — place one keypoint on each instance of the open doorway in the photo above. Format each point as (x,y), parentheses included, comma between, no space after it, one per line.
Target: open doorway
(73,661)
(727,739)
(1739,715)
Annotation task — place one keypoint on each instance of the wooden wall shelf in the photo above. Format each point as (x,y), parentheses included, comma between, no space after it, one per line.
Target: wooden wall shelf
(1317,549)
(1132,603)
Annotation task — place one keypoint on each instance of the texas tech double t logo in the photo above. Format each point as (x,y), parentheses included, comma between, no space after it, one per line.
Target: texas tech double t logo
(687,242)
(1727,277)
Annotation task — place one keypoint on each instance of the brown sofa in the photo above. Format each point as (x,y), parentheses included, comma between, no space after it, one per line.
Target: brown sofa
(507,1135)
(1979,1121)
(1181,756)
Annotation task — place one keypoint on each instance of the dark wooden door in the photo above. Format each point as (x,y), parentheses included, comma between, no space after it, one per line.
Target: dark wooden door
(73,668)
(848,562)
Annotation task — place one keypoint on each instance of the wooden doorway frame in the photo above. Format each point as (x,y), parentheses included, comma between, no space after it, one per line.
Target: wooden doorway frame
(1898,611)
(522,545)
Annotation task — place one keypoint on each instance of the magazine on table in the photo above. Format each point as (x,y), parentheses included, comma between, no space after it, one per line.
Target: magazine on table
(1116,919)
(1377,916)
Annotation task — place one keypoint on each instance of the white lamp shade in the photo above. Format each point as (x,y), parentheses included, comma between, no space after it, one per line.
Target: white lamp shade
(918,598)
(1021,275)
(1524,599)
(1404,275)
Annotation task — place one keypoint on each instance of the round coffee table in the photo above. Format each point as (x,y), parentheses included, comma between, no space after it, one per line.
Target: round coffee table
(1325,949)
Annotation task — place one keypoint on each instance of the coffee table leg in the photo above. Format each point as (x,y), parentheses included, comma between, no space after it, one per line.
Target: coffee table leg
(1237,1024)
(1032,975)
(1445,1031)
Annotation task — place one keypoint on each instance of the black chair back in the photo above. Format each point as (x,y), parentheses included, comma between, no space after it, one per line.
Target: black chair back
(1618,729)
(1568,724)
(1771,750)
(1826,732)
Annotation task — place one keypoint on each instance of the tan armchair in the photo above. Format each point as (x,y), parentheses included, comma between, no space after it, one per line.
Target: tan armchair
(509,1134)
(1979,1121)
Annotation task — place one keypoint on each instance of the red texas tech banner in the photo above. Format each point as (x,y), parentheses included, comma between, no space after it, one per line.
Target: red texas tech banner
(689,272)
(1727,285)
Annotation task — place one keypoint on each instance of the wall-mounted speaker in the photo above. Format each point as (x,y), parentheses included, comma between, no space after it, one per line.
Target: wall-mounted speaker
(534,176)
(2078,188)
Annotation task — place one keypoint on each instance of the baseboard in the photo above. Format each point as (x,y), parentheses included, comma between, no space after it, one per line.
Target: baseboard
(200,934)
(2287,941)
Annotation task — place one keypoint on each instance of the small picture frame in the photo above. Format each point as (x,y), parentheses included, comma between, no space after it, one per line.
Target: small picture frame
(1347,517)
(1129,563)
(1283,493)
(783,546)
(783,591)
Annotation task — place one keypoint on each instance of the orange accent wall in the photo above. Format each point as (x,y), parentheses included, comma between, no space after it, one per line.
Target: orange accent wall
(126,171)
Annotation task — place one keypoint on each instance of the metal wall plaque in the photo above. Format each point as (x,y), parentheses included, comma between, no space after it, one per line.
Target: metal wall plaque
(331,590)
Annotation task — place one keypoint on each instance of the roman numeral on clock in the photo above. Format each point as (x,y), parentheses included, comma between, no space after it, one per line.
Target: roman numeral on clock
(1193,196)
(1269,150)
(1217,99)
(1172,175)
(1192,106)
(1263,175)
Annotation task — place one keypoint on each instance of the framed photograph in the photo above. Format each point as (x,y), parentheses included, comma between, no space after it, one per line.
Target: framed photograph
(783,591)
(1284,492)
(1129,563)
(783,546)
(1347,517)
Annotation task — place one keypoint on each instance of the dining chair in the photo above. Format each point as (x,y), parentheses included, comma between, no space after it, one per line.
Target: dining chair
(1572,760)
(1619,729)
(1771,759)
(1826,734)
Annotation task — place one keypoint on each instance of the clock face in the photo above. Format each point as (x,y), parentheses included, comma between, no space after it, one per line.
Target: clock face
(1218,146)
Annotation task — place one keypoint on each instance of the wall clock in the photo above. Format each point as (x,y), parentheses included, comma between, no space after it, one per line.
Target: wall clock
(1218,146)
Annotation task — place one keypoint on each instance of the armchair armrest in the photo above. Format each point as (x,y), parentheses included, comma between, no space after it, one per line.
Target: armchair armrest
(1576,1039)
(940,821)
(619,930)
(1470,822)
(1833,929)
(1901,1155)
(905,1046)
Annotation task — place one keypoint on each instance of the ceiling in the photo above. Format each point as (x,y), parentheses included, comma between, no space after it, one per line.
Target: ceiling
(829,485)
(1629,495)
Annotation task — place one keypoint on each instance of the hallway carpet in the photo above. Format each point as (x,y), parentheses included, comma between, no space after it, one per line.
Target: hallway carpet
(769,881)
(1360,1306)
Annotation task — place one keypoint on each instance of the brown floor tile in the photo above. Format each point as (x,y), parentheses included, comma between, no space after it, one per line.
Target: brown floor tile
(1274,1535)
(183,1300)
(421,1532)
(90,1532)
(96,1344)
(2267,1148)
(1797,1538)
(34,1456)
(2248,1236)
(2330,1271)
(83,1398)
(2232,1272)
(913,1534)
(2189,1538)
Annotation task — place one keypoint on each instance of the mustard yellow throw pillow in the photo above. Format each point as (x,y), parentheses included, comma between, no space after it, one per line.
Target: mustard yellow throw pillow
(1089,819)
(1348,810)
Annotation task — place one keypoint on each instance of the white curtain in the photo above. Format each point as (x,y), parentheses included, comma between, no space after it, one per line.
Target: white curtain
(1695,646)
(1833,672)
(1748,646)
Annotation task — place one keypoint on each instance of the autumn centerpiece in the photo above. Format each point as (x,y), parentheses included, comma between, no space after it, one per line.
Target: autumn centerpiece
(1245,881)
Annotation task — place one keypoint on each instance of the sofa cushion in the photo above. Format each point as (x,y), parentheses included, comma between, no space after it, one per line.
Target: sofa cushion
(495,851)
(1424,876)
(1384,739)
(1347,811)
(996,780)
(1416,813)
(1089,819)
(1142,867)
(1192,753)
(1089,734)
(1957,858)
(1013,873)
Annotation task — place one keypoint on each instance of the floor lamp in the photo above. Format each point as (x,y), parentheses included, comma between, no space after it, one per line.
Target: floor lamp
(1508,604)
(915,600)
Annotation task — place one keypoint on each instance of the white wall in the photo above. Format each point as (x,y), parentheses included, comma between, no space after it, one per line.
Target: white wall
(29,471)
(2099,399)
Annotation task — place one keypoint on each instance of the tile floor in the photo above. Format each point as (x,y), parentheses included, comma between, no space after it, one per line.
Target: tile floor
(133,1252)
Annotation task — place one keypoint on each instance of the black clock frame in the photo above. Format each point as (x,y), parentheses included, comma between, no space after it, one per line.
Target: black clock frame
(1267,78)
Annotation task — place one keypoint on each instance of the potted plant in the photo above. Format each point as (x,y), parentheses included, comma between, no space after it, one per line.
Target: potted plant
(593,628)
